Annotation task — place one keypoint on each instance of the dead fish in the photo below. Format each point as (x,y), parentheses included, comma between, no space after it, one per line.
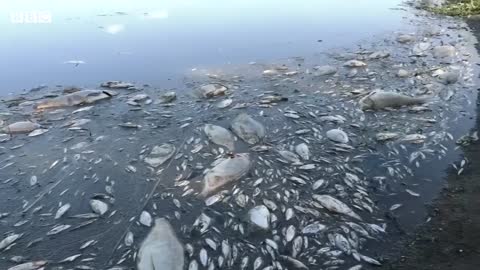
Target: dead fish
(220,136)
(335,205)
(296,264)
(75,99)
(412,193)
(226,171)
(342,243)
(98,207)
(224,103)
(395,206)
(318,184)
(260,216)
(117,85)
(29,265)
(289,156)
(212,90)
(9,240)
(385,136)
(303,151)
(313,228)
(62,210)
(160,154)
(248,129)
(325,70)
(21,127)
(58,229)
(379,99)
(354,63)
(145,219)
(128,239)
(290,233)
(414,138)
(404,38)
(379,54)
(337,135)
(33,180)
(444,51)
(37,132)
(161,250)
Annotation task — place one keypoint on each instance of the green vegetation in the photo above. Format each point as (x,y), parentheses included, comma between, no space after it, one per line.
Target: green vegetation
(458,8)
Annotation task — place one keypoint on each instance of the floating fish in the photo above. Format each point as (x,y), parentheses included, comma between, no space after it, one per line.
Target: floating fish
(337,135)
(335,205)
(260,216)
(379,99)
(248,129)
(220,136)
(160,154)
(226,171)
(20,127)
(161,250)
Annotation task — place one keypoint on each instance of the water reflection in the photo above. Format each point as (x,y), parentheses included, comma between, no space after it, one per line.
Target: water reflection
(166,38)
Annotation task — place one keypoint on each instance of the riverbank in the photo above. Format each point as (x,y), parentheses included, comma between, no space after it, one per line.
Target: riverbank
(451,239)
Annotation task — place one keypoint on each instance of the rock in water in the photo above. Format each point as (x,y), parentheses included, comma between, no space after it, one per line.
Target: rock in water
(355,63)
(260,216)
(75,99)
(220,136)
(160,154)
(21,127)
(337,135)
(226,171)
(248,129)
(444,51)
(335,205)
(379,99)
(325,70)
(161,250)
(303,151)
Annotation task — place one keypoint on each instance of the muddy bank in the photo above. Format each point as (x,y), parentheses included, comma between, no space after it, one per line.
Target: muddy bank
(451,238)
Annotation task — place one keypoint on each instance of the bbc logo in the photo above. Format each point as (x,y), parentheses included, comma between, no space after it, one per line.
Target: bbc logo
(28,17)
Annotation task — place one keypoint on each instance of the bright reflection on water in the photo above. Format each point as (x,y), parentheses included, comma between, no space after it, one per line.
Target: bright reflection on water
(149,41)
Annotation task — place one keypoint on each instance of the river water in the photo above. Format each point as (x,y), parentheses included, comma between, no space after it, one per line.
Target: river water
(151,41)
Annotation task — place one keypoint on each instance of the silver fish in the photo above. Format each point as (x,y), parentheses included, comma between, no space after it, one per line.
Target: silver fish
(335,205)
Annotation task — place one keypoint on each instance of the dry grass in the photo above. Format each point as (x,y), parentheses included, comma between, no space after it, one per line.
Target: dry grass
(459,8)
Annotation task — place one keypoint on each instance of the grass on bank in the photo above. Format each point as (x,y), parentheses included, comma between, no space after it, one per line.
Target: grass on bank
(458,8)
